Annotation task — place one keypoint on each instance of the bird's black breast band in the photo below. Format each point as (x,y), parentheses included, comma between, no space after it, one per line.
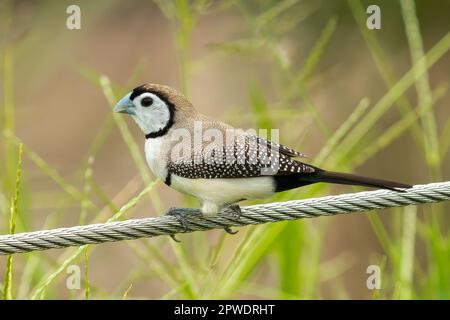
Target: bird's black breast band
(168,180)
(160,132)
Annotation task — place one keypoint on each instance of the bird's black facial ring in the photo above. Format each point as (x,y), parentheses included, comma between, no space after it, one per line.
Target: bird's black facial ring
(137,92)
(171,121)
(147,102)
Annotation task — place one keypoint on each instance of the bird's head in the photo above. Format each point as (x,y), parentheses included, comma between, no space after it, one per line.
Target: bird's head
(155,108)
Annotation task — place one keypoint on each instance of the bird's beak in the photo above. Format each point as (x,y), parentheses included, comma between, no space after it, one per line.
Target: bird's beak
(125,105)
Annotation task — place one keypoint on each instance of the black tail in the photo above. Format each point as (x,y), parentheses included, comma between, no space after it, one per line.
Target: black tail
(354,180)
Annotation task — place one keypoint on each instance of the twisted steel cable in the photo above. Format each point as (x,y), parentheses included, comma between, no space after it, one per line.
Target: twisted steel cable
(256,214)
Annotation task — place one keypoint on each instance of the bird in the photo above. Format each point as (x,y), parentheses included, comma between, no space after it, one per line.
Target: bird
(215,162)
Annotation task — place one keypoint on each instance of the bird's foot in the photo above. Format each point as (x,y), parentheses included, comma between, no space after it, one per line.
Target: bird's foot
(235,210)
(236,213)
(180,214)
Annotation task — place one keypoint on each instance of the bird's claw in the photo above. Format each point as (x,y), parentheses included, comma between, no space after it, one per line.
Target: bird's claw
(180,214)
(235,210)
(229,230)
(236,213)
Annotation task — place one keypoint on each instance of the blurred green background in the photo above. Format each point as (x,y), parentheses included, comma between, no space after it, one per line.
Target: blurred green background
(345,95)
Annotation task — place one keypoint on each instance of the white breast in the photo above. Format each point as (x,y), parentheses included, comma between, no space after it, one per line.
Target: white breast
(155,159)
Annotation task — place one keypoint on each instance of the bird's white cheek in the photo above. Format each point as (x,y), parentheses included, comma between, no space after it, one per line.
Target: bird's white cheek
(156,118)
(140,122)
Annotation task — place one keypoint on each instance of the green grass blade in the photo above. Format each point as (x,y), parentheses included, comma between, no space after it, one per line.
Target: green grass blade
(404,289)
(444,145)
(289,252)
(253,249)
(345,127)
(392,95)
(317,52)
(7,287)
(396,130)
(260,108)
(41,288)
(381,233)
(86,190)
(86,274)
(127,292)
(275,11)
(384,67)
(48,170)
(428,120)
(422,85)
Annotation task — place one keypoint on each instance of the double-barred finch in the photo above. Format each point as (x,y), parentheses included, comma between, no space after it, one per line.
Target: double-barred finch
(219,172)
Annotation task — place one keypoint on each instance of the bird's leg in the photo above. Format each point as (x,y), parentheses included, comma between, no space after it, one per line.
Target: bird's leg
(212,209)
(180,214)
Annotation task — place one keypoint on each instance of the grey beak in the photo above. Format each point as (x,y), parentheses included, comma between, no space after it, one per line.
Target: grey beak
(125,105)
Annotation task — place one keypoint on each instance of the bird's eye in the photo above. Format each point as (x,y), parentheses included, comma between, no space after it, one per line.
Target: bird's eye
(147,102)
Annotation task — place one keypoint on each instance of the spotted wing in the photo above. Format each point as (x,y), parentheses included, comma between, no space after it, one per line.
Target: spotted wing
(282,149)
(251,156)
